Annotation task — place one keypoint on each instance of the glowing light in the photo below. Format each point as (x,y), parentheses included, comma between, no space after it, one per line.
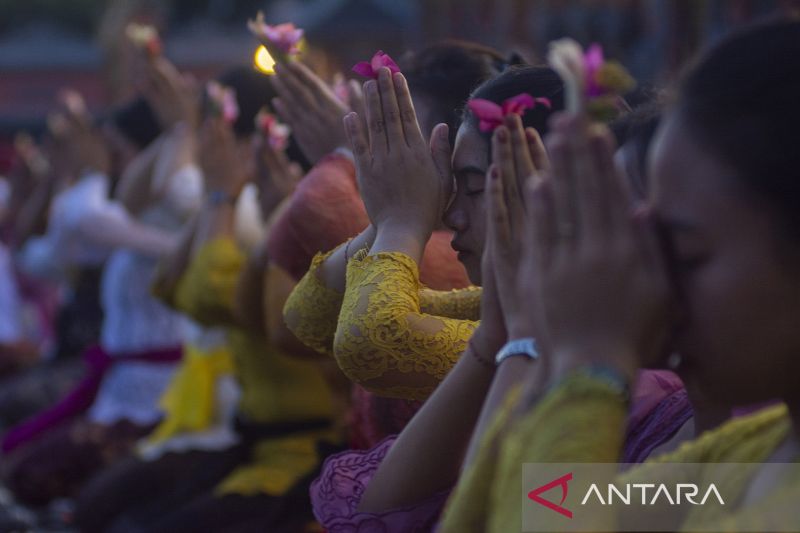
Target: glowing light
(263,61)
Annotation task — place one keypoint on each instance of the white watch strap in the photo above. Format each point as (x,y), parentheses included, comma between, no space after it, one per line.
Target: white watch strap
(526,347)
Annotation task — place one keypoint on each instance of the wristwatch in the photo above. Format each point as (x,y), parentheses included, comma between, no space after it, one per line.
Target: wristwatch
(218,197)
(526,347)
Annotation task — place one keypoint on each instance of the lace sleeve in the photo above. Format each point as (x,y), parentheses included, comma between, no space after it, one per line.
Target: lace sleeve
(312,309)
(383,340)
(464,304)
(207,290)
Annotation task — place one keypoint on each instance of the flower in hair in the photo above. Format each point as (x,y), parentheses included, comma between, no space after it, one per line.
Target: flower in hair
(592,84)
(490,115)
(369,69)
(276,133)
(145,37)
(282,40)
(222,101)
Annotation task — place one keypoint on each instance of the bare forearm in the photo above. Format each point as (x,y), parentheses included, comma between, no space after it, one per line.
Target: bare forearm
(174,265)
(32,217)
(134,188)
(427,456)
(215,222)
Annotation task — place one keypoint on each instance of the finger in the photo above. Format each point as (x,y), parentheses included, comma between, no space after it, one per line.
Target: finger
(564,213)
(285,112)
(408,114)
(390,109)
(539,197)
(358,141)
(616,189)
(303,74)
(499,226)
(376,126)
(287,77)
(541,161)
(523,163)
(355,97)
(591,197)
(503,160)
(287,98)
(442,159)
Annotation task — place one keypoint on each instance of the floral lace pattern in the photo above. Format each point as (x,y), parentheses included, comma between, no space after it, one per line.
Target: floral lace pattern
(383,341)
(312,309)
(336,494)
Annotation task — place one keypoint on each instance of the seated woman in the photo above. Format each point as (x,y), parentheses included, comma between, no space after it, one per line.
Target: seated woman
(140,339)
(464,65)
(724,194)
(408,488)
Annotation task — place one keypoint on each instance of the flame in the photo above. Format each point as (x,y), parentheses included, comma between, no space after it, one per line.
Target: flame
(263,61)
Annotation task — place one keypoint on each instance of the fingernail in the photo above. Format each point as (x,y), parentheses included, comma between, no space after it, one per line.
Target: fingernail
(502,135)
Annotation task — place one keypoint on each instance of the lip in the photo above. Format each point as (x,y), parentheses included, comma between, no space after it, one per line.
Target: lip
(458,247)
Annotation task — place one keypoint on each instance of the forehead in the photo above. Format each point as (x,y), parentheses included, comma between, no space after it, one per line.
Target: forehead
(686,178)
(471,149)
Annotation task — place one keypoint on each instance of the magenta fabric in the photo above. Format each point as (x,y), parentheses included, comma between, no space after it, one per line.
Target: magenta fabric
(335,495)
(372,418)
(97,361)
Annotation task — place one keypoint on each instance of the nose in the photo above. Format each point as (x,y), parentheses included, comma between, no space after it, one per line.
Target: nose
(455,218)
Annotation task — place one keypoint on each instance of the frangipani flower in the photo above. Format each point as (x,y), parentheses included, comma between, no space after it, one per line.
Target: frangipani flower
(276,133)
(370,69)
(145,37)
(223,101)
(490,115)
(282,41)
(592,84)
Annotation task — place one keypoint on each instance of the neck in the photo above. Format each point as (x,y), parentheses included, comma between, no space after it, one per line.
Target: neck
(707,414)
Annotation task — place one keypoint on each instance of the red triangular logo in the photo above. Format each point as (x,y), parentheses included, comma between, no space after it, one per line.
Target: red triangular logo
(560,482)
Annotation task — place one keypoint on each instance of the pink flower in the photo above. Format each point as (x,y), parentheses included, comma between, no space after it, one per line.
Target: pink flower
(283,37)
(277,134)
(490,115)
(593,61)
(223,101)
(370,69)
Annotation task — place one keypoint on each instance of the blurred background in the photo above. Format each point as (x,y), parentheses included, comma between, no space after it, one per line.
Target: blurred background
(49,44)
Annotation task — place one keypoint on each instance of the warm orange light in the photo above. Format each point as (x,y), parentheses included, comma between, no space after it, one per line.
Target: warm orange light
(263,61)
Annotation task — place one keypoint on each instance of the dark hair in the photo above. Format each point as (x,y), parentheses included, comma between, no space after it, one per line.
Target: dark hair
(446,72)
(136,121)
(636,129)
(740,100)
(254,92)
(539,82)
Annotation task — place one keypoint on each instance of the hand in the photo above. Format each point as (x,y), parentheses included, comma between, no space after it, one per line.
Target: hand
(404,183)
(276,176)
(311,108)
(221,159)
(517,154)
(599,271)
(174,97)
(85,148)
(491,334)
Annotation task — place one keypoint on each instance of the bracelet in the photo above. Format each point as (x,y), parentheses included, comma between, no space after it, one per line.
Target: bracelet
(218,197)
(485,363)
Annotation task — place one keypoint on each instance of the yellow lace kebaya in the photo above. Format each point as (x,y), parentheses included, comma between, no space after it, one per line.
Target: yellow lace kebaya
(393,336)
(275,389)
(582,420)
